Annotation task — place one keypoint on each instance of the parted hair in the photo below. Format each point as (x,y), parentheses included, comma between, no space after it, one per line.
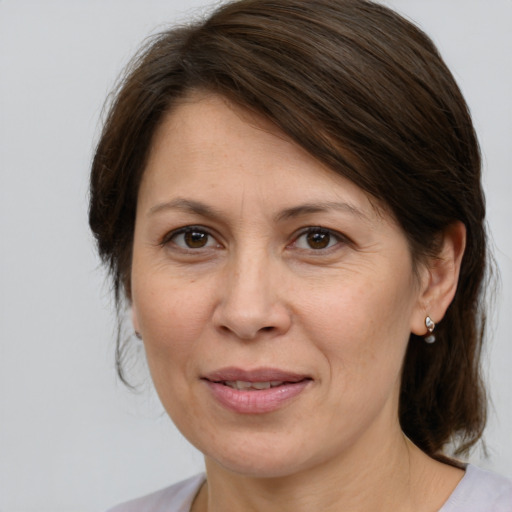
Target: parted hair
(339,77)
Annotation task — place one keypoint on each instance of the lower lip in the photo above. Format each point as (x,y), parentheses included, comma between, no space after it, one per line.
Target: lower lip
(258,401)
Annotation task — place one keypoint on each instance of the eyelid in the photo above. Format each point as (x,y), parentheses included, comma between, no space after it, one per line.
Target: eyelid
(340,237)
(168,237)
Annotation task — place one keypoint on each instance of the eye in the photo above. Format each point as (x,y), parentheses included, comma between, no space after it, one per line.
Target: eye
(317,239)
(192,237)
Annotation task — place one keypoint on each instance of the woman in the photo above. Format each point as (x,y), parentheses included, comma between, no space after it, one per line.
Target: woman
(288,195)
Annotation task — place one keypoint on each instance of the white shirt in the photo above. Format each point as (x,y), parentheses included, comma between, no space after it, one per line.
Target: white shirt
(478,491)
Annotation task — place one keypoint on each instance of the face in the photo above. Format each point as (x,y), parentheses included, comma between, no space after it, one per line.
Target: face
(275,300)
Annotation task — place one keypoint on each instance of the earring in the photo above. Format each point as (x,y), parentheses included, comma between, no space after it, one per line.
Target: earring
(430,325)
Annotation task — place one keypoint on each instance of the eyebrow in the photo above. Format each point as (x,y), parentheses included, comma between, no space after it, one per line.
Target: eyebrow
(188,206)
(199,208)
(309,208)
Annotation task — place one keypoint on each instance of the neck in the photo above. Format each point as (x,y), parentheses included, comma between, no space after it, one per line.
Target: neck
(385,475)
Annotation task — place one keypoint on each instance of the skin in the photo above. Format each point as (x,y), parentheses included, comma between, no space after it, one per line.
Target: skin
(258,294)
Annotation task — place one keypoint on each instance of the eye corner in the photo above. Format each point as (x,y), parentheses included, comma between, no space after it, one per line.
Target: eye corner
(318,239)
(191,238)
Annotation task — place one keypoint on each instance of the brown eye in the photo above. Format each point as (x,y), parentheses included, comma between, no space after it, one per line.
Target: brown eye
(317,239)
(195,239)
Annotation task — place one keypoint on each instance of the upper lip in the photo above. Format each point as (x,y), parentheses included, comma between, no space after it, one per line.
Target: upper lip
(256,375)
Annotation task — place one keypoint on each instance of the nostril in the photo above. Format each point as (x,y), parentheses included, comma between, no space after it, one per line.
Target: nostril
(250,322)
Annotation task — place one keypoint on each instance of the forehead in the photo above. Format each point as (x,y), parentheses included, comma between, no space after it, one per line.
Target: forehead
(211,149)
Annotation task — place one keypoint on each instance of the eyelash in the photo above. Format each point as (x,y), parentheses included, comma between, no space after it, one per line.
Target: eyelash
(318,230)
(311,230)
(187,230)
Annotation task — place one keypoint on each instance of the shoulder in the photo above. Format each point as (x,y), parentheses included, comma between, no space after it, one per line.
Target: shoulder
(176,498)
(480,491)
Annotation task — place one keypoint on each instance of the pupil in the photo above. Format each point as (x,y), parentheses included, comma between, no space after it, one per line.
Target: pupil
(196,239)
(318,239)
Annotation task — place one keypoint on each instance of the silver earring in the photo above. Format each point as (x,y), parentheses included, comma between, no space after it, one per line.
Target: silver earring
(430,325)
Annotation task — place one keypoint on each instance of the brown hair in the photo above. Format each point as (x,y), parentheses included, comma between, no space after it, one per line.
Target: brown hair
(335,75)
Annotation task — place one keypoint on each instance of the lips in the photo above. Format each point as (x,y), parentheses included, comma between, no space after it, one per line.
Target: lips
(246,385)
(255,391)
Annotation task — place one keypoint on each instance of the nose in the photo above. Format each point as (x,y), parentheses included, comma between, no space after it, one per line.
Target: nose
(251,299)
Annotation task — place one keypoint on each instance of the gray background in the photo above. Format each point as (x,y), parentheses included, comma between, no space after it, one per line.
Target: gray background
(71,437)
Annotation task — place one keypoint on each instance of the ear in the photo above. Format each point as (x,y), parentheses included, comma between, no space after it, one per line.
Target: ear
(439,278)
(135,320)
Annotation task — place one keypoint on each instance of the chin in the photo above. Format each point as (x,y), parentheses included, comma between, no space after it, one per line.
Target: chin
(258,467)
(264,459)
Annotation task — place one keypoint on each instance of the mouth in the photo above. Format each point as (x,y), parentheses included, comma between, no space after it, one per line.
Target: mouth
(255,391)
(258,379)
(255,386)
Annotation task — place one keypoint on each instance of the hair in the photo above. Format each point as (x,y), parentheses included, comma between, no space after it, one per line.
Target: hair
(336,76)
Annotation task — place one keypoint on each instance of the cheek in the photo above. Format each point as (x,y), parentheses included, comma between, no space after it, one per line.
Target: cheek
(362,328)
(171,317)
(163,305)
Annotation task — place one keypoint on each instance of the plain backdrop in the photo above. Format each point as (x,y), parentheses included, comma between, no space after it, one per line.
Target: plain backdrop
(72,438)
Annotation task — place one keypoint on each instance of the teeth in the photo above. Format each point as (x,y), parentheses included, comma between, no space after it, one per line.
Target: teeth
(244,385)
(240,384)
(261,385)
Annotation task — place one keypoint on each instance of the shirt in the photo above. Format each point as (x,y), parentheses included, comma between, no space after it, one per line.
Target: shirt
(478,491)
